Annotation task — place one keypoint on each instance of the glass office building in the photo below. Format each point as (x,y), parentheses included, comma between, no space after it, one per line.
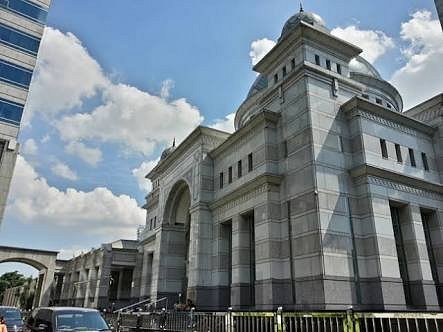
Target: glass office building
(22,24)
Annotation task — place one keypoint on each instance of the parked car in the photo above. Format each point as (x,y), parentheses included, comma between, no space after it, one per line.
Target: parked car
(13,318)
(65,319)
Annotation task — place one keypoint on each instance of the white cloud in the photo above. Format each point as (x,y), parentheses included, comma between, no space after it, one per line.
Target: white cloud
(225,124)
(91,156)
(64,171)
(45,139)
(74,251)
(132,118)
(373,43)
(65,75)
(167,86)
(259,48)
(140,173)
(422,75)
(30,147)
(99,211)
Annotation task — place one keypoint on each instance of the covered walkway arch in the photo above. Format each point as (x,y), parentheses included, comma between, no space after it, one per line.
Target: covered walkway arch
(43,260)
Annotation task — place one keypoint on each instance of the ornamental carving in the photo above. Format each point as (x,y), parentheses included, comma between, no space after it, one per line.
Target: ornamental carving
(242,199)
(384,122)
(402,187)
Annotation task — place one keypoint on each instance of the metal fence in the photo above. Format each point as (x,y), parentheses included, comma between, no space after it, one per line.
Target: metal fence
(275,322)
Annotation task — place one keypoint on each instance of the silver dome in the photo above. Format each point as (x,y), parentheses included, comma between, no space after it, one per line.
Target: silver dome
(361,66)
(307,17)
(260,83)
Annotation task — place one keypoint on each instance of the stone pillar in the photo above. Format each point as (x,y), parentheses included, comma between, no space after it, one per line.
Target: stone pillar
(221,264)
(240,287)
(120,284)
(382,289)
(146,275)
(88,279)
(98,284)
(423,290)
(46,285)
(200,265)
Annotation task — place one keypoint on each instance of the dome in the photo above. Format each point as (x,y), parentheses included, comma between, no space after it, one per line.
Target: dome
(361,66)
(260,83)
(307,17)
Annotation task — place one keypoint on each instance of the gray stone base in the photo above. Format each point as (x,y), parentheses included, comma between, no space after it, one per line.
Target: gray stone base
(241,298)
(210,298)
(273,293)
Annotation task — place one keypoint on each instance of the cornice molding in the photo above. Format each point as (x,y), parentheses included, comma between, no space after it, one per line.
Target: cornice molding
(358,106)
(398,181)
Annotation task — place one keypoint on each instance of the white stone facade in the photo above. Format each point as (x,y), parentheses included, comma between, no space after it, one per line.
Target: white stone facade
(326,196)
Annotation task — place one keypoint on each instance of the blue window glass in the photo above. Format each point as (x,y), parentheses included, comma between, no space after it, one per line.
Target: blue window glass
(19,40)
(10,112)
(26,9)
(15,74)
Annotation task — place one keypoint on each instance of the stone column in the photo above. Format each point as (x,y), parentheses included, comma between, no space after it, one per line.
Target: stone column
(46,285)
(423,289)
(146,275)
(98,283)
(221,264)
(200,255)
(240,287)
(88,279)
(119,285)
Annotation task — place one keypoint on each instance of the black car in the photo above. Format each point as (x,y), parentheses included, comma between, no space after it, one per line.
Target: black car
(13,318)
(65,319)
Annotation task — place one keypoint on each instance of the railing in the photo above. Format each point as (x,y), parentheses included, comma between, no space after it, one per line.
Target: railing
(278,321)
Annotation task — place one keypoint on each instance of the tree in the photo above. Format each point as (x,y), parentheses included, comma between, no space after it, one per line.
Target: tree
(10,279)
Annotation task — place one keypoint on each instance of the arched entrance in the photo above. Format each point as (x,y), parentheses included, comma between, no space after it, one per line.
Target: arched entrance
(178,219)
(44,261)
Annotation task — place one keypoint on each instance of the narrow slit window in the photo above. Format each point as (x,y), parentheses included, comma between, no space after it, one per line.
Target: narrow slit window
(339,68)
(230,174)
(412,158)
(275,78)
(365,95)
(221,180)
(384,150)
(239,169)
(285,149)
(398,153)
(250,166)
(317,60)
(284,71)
(424,158)
(293,64)
(328,64)
(379,101)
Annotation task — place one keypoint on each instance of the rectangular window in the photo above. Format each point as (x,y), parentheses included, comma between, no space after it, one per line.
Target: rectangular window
(15,74)
(239,169)
(388,105)
(10,112)
(398,153)
(342,148)
(379,101)
(425,161)
(26,9)
(339,68)
(19,40)
(230,174)
(221,180)
(293,64)
(384,150)
(328,64)
(366,96)
(250,166)
(412,158)
(317,60)
(155,221)
(284,71)
(285,149)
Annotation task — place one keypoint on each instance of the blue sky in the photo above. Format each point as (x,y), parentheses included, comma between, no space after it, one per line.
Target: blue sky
(115,84)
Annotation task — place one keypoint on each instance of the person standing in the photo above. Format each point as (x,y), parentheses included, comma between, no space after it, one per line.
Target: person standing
(3,327)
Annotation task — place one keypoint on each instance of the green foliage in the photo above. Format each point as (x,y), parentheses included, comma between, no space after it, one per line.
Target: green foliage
(10,279)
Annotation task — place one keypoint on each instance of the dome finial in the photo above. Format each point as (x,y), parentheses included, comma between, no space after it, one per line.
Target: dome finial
(301,7)
(173,143)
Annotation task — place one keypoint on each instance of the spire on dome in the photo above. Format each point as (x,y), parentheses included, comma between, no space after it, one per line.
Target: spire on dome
(301,7)
(173,143)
